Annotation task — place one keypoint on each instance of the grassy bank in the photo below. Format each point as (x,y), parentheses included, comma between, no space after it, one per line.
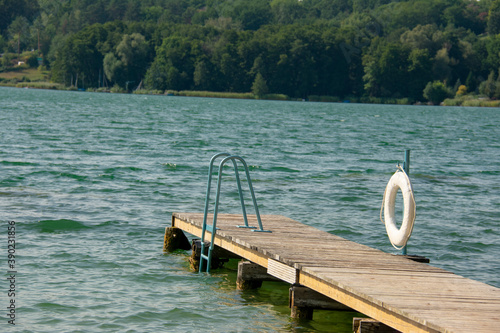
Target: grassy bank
(23,74)
(470,100)
(215,94)
(25,77)
(212,94)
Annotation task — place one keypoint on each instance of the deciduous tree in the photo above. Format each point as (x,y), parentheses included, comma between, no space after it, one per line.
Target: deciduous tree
(259,86)
(494,18)
(436,92)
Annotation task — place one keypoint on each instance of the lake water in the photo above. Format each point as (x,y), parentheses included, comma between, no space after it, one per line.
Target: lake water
(91,181)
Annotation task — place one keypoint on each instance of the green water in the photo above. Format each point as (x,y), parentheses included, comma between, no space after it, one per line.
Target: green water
(91,181)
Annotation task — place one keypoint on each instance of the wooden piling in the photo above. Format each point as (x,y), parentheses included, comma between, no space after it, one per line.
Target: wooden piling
(303,301)
(369,325)
(175,239)
(251,276)
(219,255)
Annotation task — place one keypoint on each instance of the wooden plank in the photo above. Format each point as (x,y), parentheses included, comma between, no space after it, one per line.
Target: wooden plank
(367,305)
(282,271)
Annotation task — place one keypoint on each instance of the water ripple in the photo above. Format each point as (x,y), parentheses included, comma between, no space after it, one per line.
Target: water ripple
(92,179)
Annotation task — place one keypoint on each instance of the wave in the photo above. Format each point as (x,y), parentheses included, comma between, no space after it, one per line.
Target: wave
(56,308)
(61,225)
(281,169)
(59,174)
(178,167)
(18,163)
(122,168)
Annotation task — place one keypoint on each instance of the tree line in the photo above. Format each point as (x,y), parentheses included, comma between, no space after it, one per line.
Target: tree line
(377,48)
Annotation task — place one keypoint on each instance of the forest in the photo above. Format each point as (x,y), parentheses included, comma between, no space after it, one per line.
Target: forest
(410,51)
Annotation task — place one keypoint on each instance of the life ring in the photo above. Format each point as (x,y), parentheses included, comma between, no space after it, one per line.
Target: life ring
(398,237)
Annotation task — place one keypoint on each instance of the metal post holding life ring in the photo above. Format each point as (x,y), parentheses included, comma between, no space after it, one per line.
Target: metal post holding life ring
(398,237)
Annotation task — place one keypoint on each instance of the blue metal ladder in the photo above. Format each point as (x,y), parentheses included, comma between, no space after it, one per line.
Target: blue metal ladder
(213,228)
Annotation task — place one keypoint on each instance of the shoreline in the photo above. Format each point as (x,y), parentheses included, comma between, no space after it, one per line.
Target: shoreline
(464,101)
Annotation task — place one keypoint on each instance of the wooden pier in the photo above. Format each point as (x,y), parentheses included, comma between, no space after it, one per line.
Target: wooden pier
(405,295)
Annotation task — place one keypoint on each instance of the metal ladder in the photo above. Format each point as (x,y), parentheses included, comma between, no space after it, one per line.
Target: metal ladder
(213,227)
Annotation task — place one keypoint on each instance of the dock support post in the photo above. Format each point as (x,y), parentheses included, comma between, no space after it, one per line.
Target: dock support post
(251,276)
(368,325)
(194,260)
(301,313)
(304,300)
(175,239)
(219,255)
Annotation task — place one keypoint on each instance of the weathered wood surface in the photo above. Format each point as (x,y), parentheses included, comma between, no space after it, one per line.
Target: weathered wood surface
(406,295)
(175,239)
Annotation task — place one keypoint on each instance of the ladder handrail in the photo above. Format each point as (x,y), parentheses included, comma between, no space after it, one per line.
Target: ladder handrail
(233,158)
(240,192)
(213,227)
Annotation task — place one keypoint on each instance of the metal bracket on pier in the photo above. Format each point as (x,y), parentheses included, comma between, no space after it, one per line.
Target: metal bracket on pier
(213,228)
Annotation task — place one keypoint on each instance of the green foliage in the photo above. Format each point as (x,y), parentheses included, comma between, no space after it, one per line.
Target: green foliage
(129,62)
(409,14)
(436,92)
(464,14)
(215,94)
(3,44)
(471,101)
(174,65)
(392,69)
(18,30)
(276,97)
(80,58)
(494,18)
(423,37)
(287,11)
(371,50)
(113,68)
(259,86)
(493,49)
(148,92)
(7,60)
(32,60)
(39,85)
(442,69)
(252,14)
(419,72)
(117,89)
(10,10)
(491,87)
(155,77)
(316,98)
